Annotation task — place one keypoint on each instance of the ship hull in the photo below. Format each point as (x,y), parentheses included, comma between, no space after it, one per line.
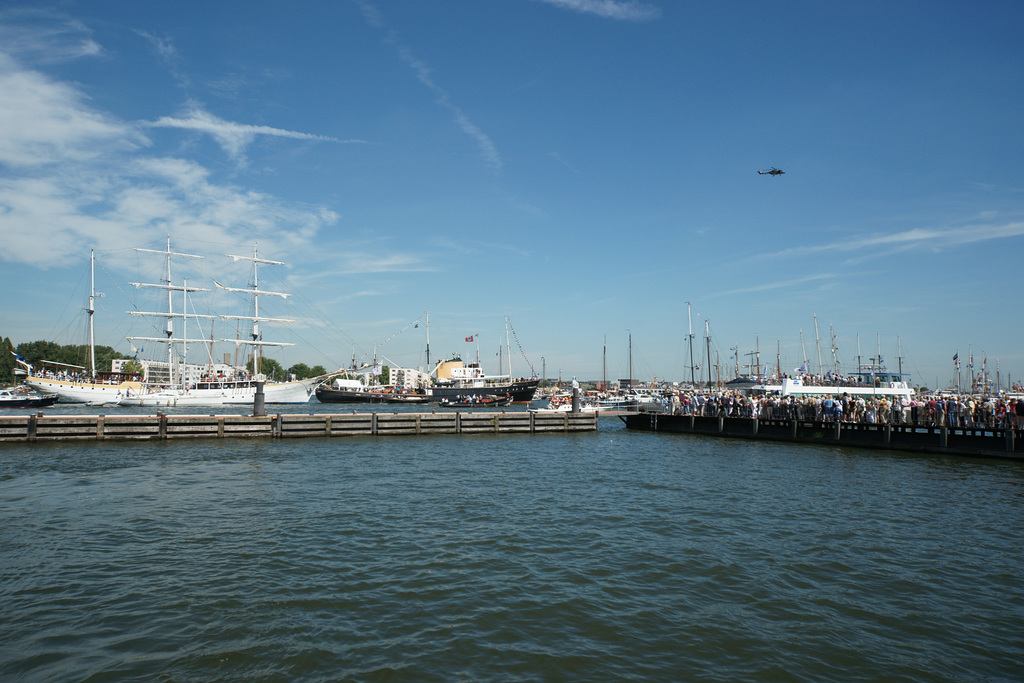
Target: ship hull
(521,391)
(228,394)
(83,392)
(327,395)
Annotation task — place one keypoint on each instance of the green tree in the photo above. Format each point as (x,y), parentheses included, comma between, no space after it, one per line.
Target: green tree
(269,367)
(7,362)
(385,375)
(71,354)
(300,370)
(317,370)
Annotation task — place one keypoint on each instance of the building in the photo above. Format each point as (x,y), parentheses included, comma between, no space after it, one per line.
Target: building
(407,378)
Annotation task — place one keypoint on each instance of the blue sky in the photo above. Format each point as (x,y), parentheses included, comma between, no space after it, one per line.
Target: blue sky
(584,166)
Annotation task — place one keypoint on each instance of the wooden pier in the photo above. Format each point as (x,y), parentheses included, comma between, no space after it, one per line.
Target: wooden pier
(160,426)
(964,441)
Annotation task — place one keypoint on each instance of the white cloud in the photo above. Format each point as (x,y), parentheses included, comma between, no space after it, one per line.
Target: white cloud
(362,263)
(74,177)
(781,284)
(610,9)
(45,122)
(423,74)
(42,36)
(927,239)
(233,137)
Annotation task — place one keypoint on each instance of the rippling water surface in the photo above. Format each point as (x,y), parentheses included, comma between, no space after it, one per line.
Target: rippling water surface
(607,556)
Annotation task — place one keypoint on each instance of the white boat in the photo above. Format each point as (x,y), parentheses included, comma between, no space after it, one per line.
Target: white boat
(631,400)
(19,397)
(172,399)
(878,383)
(567,408)
(116,388)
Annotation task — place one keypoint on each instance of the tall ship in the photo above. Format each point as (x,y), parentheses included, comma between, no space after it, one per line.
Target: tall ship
(178,386)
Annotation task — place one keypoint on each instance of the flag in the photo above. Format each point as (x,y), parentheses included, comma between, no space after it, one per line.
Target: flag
(21,358)
(956,358)
(802,368)
(469,338)
(416,325)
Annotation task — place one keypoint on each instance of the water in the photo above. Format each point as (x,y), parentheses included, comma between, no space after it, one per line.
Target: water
(613,555)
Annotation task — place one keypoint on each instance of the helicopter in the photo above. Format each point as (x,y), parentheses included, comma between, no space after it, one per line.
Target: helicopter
(772,171)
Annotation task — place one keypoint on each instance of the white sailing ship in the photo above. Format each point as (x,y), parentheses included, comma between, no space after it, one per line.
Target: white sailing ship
(181,389)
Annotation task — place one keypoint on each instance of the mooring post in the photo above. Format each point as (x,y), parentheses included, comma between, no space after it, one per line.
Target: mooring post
(259,408)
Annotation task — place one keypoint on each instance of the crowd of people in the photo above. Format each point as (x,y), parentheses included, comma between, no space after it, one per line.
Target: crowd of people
(931,410)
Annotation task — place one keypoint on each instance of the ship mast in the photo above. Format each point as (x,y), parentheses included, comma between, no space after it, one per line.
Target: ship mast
(707,338)
(604,363)
(689,337)
(256,338)
(92,312)
(631,360)
(817,342)
(803,353)
(170,315)
(508,349)
(835,358)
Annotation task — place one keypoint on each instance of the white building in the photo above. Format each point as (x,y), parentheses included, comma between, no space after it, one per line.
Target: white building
(407,378)
(155,372)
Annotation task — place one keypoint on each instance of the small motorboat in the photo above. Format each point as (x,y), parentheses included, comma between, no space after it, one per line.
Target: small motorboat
(476,402)
(406,398)
(23,398)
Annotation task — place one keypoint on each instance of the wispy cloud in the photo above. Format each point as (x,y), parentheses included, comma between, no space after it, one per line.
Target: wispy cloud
(234,137)
(42,36)
(924,239)
(363,263)
(610,9)
(781,284)
(169,55)
(424,74)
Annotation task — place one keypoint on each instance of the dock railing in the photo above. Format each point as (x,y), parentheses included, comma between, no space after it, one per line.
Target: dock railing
(41,427)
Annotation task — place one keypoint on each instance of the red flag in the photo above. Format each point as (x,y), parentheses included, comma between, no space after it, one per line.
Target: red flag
(469,338)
